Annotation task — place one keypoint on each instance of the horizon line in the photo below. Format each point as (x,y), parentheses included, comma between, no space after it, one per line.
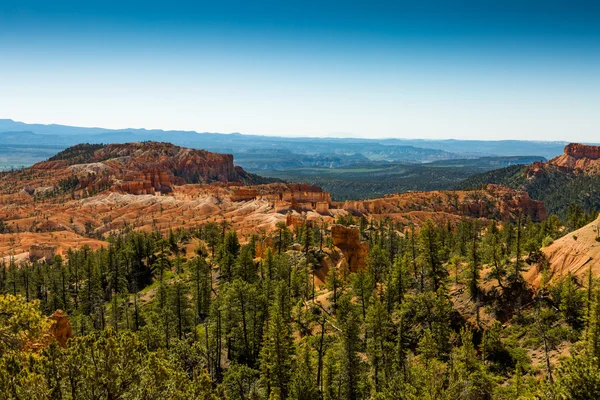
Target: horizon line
(332,135)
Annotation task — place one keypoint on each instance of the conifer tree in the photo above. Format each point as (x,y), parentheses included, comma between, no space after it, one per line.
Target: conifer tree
(363,287)
(430,247)
(378,326)
(302,384)
(334,284)
(277,351)
(593,327)
(493,253)
(202,283)
(350,365)
(179,306)
(227,255)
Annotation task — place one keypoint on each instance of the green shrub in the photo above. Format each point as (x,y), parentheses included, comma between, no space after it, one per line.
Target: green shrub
(547,241)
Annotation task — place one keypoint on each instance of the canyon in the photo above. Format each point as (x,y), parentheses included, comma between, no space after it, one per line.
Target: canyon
(88,192)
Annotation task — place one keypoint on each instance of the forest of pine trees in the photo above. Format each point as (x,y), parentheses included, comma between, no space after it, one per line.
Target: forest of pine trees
(440,312)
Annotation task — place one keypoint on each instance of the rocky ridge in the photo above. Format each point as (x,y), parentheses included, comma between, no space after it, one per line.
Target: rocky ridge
(493,201)
(148,186)
(136,168)
(577,158)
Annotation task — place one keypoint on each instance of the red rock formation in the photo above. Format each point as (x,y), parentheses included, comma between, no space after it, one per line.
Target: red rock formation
(302,193)
(60,328)
(322,207)
(495,201)
(577,150)
(295,221)
(143,168)
(347,239)
(42,251)
(577,158)
(535,170)
(244,194)
(148,168)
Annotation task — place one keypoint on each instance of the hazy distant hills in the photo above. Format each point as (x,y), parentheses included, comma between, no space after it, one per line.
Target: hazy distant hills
(402,150)
(336,152)
(28,137)
(348,168)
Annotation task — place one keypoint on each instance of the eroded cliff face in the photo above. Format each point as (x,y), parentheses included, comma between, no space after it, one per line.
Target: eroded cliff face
(146,186)
(347,239)
(293,196)
(136,168)
(58,330)
(578,151)
(578,158)
(575,253)
(156,167)
(70,223)
(42,251)
(495,201)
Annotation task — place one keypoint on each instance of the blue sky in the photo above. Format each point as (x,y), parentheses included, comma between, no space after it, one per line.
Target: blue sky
(482,69)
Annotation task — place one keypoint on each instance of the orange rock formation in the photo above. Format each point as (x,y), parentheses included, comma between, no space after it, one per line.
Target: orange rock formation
(576,253)
(60,328)
(579,158)
(495,201)
(136,168)
(90,191)
(42,251)
(347,239)
(578,151)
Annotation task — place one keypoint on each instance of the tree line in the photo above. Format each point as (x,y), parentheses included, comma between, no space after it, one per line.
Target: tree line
(440,311)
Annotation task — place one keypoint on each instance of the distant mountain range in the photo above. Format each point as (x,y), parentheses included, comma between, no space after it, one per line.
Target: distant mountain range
(348,168)
(396,150)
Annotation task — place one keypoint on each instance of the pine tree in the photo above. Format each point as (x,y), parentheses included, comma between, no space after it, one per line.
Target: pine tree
(378,263)
(593,329)
(493,253)
(243,316)
(400,283)
(202,286)
(468,376)
(245,267)
(227,255)
(302,384)
(241,382)
(378,326)
(350,365)
(474,269)
(516,277)
(179,307)
(430,247)
(334,284)
(363,287)
(277,351)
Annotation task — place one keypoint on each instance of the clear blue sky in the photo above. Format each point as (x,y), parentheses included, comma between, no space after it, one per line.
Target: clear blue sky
(484,69)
